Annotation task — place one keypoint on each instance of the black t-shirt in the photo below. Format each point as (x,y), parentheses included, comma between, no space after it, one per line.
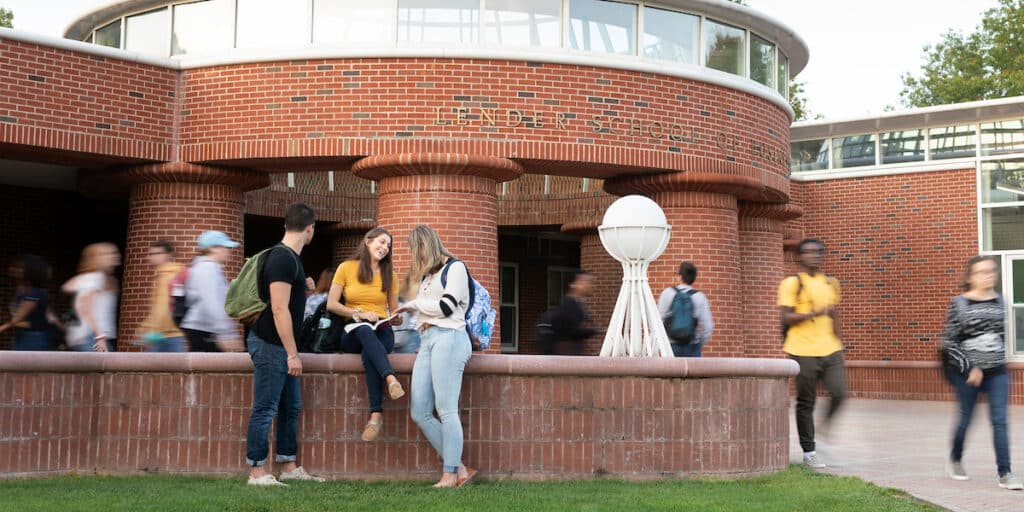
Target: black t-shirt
(282,265)
(37,320)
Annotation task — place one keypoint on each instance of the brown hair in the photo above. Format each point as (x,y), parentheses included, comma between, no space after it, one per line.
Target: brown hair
(90,261)
(323,283)
(965,281)
(362,255)
(428,256)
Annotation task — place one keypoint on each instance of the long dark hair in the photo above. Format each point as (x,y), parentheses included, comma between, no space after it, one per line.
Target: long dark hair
(362,255)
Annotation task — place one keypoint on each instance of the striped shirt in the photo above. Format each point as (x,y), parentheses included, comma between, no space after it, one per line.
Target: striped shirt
(974,335)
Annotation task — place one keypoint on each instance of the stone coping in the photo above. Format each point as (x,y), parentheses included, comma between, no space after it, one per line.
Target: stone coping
(587,366)
(913,364)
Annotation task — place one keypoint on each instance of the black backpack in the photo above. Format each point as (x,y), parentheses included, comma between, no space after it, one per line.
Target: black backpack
(321,332)
(544,331)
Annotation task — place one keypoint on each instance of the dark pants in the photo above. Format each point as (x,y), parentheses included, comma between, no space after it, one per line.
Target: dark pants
(33,340)
(375,347)
(274,393)
(688,350)
(201,341)
(832,370)
(997,389)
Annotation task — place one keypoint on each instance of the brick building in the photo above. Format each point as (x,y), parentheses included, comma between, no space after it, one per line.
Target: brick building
(509,127)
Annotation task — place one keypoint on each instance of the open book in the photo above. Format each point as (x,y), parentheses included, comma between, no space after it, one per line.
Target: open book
(352,326)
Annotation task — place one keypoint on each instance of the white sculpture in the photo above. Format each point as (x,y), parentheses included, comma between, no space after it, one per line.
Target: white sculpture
(635,232)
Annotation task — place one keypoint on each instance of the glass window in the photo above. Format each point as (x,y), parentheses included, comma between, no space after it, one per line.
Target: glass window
(149,32)
(272,23)
(1017,276)
(1002,137)
(951,142)
(353,21)
(1003,228)
(808,155)
(853,151)
(509,319)
(600,26)
(109,35)
(203,27)
(903,146)
(762,61)
(723,47)
(671,35)
(1002,182)
(523,23)
(782,84)
(448,21)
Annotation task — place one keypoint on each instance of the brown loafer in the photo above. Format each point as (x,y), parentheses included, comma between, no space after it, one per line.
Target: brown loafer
(372,430)
(395,390)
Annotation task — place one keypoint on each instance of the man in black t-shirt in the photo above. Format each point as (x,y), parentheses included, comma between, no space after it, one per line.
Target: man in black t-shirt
(275,356)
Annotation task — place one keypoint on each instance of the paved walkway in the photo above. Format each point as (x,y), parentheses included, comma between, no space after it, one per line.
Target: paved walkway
(905,444)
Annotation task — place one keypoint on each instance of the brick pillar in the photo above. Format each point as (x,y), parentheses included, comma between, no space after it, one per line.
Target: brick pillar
(761,230)
(607,279)
(176,202)
(454,194)
(346,238)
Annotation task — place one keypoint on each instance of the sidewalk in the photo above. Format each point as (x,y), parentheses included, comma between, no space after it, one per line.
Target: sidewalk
(905,444)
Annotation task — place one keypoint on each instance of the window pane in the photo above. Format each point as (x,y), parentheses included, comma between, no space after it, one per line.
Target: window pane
(904,146)
(431,21)
(1002,137)
(762,61)
(353,21)
(508,285)
(808,155)
(951,142)
(783,76)
(272,23)
(523,23)
(1002,182)
(109,35)
(509,327)
(149,33)
(853,151)
(723,47)
(1003,228)
(203,27)
(605,27)
(671,35)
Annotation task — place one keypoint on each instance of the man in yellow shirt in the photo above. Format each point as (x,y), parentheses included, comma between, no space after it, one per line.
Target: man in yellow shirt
(808,302)
(159,329)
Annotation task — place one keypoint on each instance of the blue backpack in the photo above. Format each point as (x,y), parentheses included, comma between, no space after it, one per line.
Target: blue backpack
(479,314)
(680,325)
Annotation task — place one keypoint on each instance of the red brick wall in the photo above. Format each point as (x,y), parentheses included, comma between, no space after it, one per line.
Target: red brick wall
(607,283)
(897,244)
(118,109)
(760,271)
(558,421)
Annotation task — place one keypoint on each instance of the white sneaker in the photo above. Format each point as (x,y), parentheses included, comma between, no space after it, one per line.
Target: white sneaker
(299,473)
(266,481)
(813,462)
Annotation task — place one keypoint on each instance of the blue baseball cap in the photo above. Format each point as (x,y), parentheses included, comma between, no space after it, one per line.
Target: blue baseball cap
(216,239)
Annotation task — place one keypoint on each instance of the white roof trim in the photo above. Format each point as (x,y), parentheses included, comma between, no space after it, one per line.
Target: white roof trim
(885,170)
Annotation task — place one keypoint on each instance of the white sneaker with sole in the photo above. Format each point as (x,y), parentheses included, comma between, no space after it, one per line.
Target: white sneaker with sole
(300,473)
(266,481)
(1011,482)
(956,470)
(813,462)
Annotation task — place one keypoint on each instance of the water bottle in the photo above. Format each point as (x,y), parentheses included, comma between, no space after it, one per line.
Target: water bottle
(485,328)
(325,322)
(178,290)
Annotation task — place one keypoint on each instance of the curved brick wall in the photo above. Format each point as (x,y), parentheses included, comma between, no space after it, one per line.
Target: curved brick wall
(567,417)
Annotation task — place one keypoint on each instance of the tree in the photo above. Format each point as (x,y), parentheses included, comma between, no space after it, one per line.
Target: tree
(986,64)
(6,18)
(798,102)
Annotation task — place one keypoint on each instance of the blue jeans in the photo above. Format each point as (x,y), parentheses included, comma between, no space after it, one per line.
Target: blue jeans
(273,391)
(33,340)
(997,389)
(688,350)
(436,383)
(90,345)
(374,347)
(172,344)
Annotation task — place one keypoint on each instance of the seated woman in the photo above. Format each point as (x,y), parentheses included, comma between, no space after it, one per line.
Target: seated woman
(370,289)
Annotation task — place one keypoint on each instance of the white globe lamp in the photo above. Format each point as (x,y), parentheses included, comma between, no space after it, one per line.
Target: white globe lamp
(635,232)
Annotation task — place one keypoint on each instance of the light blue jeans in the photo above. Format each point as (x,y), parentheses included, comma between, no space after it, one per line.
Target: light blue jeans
(436,383)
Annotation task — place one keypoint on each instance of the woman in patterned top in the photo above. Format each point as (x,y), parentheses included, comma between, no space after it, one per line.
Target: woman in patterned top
(975,356)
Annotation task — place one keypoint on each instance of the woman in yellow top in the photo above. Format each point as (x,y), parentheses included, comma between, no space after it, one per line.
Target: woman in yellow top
(370,289)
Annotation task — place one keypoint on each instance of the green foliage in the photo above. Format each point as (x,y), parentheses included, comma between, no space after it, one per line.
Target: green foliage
(795,489)
(986,64)
(798,101)
(6,18)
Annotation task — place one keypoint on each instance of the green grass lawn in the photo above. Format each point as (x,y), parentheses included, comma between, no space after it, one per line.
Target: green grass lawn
(794,490)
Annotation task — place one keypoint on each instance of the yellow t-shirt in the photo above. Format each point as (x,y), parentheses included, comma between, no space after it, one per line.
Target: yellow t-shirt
(366,296)
(815,337)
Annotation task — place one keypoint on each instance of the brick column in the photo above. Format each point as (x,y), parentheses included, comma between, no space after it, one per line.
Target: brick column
(607,279)
(452,193)
(346,238)
(761,230)
(176,202)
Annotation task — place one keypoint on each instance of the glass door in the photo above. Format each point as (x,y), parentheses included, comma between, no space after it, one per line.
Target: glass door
(1015,302)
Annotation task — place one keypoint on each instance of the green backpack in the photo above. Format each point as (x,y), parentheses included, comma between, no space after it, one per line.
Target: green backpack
(243,301)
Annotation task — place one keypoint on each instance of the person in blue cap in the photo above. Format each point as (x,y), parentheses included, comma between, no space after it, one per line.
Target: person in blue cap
(206,326)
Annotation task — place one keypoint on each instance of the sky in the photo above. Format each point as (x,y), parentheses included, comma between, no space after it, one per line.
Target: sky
(859,48)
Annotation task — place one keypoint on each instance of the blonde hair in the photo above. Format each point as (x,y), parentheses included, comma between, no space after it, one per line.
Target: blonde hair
(428,256)
(92,255)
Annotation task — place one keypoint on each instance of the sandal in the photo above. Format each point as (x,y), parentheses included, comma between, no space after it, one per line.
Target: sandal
(395,390)
(372,430)
(470,476)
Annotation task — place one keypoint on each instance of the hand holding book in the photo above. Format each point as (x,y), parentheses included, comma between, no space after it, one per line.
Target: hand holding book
(373,325)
